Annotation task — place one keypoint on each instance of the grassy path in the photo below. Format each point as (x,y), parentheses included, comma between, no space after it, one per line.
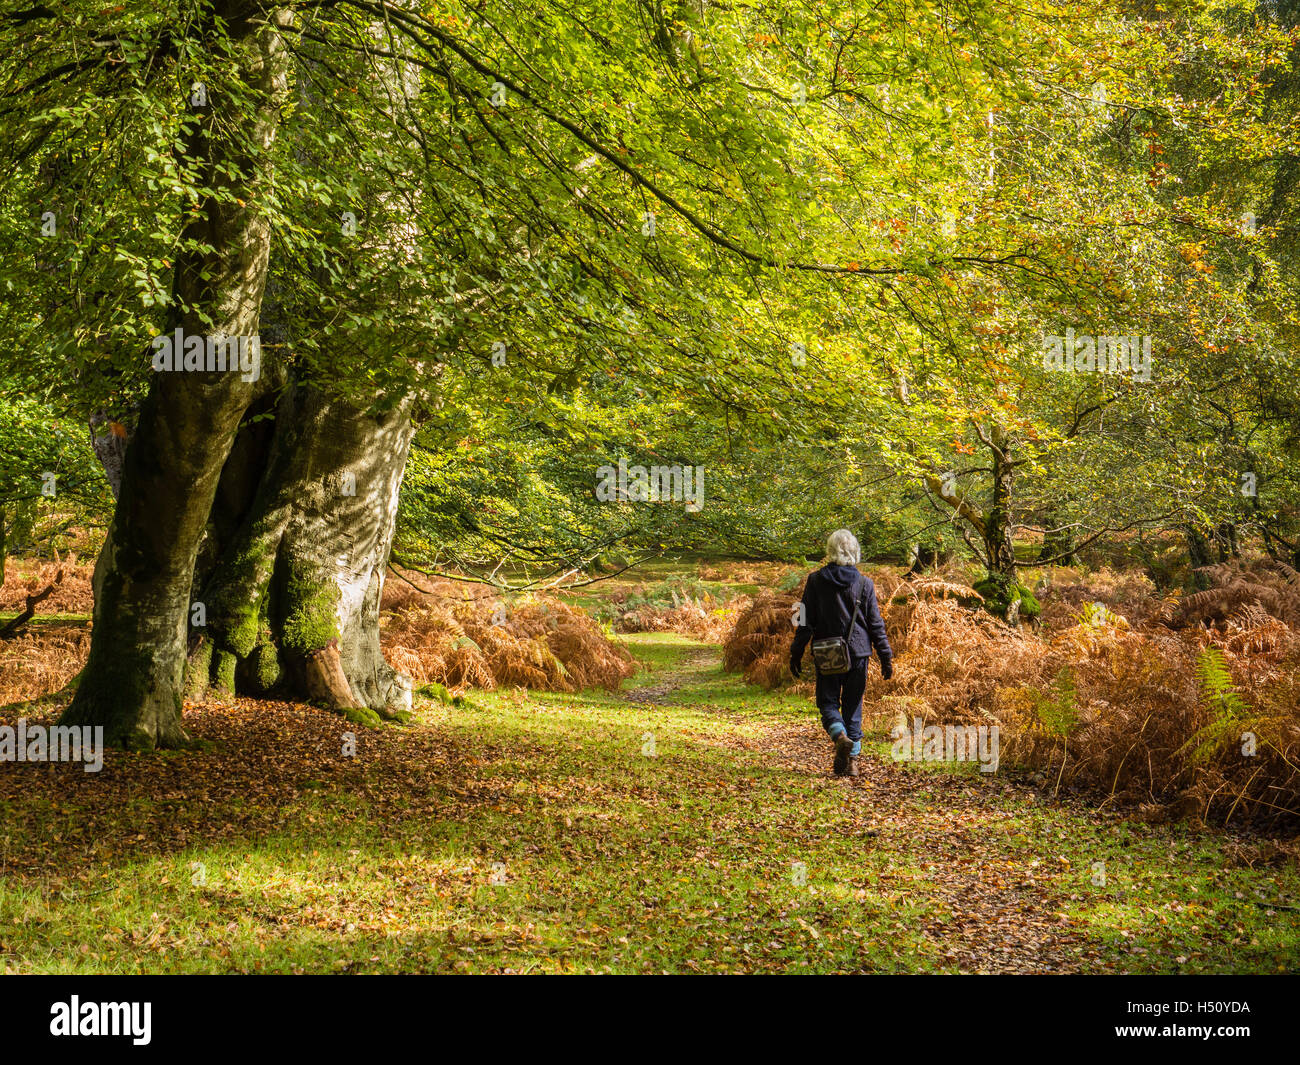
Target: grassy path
(689,823)
(998,877)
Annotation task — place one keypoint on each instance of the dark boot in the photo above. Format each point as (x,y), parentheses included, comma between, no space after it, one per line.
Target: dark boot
(855,770)
(843,745)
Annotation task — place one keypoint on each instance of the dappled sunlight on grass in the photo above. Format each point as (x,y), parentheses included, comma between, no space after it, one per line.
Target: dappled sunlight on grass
(554,832)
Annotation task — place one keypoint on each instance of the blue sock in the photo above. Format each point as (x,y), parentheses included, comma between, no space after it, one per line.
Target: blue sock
(837,730)
(857,748)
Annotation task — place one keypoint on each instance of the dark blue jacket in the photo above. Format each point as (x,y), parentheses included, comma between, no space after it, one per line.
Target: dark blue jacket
(828,605)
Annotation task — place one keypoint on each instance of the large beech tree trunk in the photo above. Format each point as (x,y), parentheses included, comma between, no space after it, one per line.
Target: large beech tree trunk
(132,683)
(292,601)
(301,535)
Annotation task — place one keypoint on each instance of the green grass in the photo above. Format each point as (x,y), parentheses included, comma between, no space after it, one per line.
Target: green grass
(557,844)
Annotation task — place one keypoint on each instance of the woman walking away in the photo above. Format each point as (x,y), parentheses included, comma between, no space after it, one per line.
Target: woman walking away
(841,617)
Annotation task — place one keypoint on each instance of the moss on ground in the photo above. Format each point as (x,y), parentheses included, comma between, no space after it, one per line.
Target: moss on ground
(1001,592)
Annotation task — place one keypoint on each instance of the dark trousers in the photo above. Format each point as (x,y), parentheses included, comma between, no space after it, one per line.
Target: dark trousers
(839,698)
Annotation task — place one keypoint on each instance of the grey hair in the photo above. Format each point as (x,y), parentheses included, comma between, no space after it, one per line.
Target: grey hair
(842,548)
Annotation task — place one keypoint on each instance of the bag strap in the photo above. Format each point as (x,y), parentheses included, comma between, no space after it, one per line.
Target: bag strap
(857,603)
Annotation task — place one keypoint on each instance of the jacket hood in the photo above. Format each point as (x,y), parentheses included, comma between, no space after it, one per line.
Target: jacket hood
(840,576)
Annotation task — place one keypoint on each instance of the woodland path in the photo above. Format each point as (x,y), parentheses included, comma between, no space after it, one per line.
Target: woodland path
(995,905)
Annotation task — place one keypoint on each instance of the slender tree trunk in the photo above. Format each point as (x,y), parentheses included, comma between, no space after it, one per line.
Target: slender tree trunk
(108,439)
(1002,592)
(998,545)
(1058,544)
(293,603)
(1225,539)
(1198,554)
(143,579)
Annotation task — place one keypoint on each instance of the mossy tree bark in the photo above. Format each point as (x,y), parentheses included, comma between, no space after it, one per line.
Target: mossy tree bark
(132,683)
(293,601)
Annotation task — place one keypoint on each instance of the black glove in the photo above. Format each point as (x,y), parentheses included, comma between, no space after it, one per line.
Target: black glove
(886,667)
(796,667)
